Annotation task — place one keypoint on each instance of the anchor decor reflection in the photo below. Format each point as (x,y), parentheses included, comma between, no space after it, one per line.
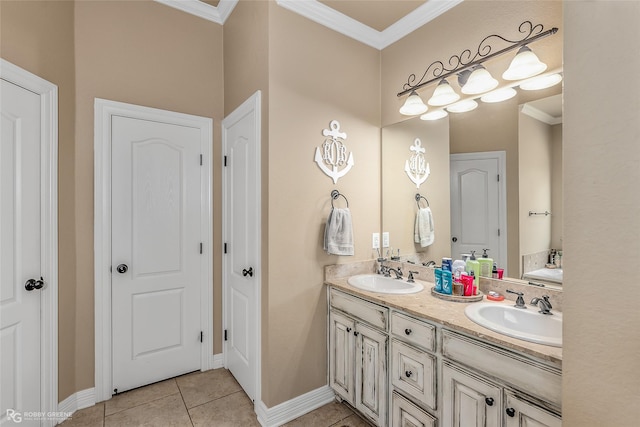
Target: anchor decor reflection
(331,157)
(416,166)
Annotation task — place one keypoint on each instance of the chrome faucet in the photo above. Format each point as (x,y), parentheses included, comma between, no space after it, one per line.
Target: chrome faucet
(519,301)
(429,264)
(543,304)
(396,271)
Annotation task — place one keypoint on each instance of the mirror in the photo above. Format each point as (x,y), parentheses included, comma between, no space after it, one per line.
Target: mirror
(533,173)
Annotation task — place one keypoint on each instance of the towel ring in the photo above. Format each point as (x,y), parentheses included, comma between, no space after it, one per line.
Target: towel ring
(418,197)
(335,194)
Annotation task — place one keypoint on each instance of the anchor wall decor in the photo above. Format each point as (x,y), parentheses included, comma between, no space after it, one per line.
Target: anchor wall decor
(333,154)
(417,167)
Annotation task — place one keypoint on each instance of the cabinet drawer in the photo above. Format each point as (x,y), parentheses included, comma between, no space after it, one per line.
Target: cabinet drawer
(405,413)
(537,379)
(414,372)
(373,314)
(414,331)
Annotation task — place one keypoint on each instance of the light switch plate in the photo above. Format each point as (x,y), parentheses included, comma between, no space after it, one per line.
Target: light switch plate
(385,239)
(375,241)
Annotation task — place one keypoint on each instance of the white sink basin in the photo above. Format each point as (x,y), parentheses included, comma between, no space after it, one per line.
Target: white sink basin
(384,285)
(528,325)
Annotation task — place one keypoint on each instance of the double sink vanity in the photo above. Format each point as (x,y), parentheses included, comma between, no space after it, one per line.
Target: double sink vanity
(402,357)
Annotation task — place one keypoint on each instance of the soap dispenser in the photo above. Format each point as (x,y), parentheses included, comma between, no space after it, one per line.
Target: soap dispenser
(473,266)
(486,264)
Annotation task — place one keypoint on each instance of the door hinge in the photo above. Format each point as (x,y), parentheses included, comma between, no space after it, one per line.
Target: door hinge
(225,334)
(498,232)
(498,177)
(225,248)
(200,248)
(201,336)
(225,160)
(200,159)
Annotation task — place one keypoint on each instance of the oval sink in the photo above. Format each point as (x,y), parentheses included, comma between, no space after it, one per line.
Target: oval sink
(528,325)
(383,285)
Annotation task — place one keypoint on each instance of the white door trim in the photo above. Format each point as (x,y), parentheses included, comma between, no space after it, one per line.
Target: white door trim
(103,111)
(253,103)
(501,156)
(48,93)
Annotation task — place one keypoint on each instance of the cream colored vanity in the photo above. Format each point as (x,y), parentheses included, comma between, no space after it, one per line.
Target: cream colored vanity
(414,360)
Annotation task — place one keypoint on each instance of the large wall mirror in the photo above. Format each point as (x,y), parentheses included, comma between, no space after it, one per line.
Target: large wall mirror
(524,137)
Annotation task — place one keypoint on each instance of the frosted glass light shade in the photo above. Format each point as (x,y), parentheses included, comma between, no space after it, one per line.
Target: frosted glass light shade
(443,95)
(413,105)
(525,64)
(463,106)
(479,81)
(541,82)
(434,115)
(499,95)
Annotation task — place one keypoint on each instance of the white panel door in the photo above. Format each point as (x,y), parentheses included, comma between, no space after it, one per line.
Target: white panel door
(475,207)
(156,251)
(20,254)
(241,233)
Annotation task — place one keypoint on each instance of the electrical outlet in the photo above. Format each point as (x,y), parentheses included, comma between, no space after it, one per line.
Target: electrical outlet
(385,239)
(375,241)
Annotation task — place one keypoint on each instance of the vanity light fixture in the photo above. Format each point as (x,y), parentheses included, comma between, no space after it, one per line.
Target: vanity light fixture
(541,82)
(499,95)
(474,78)
(413,105)
(524,65)
(463,106)
(434,115)
(443,95)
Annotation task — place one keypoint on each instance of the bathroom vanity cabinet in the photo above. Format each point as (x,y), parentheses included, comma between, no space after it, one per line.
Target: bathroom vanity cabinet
(399,369)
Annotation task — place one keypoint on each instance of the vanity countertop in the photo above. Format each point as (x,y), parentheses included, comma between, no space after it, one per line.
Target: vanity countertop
(451,315)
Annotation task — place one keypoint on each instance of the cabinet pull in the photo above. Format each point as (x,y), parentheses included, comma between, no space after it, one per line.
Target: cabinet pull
(348,329)
(511,412)
(489,401)
(355,333)
(408,374)
(407,331)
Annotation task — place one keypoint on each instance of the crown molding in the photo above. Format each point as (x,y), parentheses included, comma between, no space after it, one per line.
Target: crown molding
(337,21)
(203,10)
(540,115)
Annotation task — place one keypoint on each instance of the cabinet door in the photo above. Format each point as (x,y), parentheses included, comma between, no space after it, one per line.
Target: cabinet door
(371,373)
(342,356)
(406,414)
(469,400)
(520,413)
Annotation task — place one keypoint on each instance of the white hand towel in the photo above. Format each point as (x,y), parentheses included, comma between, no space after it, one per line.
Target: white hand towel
(424,230)
(338,233)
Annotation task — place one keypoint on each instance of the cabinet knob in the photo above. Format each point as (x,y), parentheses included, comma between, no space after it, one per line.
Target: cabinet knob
(348,329)
(407,331)
(489,401)
(408,374)
(511,412)
(355,333)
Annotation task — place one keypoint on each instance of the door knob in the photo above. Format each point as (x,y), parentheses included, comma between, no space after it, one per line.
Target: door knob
(454,239)
(122,268)
(33,284)
(248,272)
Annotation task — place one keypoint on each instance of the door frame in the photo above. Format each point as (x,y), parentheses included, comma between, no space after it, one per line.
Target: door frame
(48,93)
(501,156)
(251,104)
(104,110)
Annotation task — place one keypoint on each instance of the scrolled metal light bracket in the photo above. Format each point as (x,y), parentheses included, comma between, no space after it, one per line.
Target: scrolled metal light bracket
(467,59)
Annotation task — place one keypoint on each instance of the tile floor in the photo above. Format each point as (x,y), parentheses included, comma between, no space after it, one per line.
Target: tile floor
(212,398)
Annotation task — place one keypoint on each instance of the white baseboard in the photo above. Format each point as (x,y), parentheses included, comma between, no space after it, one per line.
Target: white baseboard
(217,361)
(294,408)
(80,400)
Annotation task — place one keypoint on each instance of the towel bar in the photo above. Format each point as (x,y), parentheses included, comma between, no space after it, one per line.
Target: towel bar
(335,194)
(418,197)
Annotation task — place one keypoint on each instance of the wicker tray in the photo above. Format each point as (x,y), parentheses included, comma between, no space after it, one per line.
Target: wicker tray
(457,298)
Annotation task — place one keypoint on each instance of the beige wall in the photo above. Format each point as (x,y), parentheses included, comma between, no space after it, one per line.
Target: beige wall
(534,166)
(601,214)
(39,37)
(315,75)
(556,187)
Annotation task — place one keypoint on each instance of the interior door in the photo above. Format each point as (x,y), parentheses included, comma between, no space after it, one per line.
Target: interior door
(241,234)
(20,254)
(156,251)
(475,206)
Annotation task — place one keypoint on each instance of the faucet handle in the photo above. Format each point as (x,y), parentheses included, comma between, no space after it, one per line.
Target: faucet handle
(546,298)
(410,278)
(519,301)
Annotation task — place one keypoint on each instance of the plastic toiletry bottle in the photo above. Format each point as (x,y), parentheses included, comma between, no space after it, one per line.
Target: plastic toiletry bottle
(494,272)
(447,282)
(486,264)
(438,276)
(476,282)
(473,264)
(447,264)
